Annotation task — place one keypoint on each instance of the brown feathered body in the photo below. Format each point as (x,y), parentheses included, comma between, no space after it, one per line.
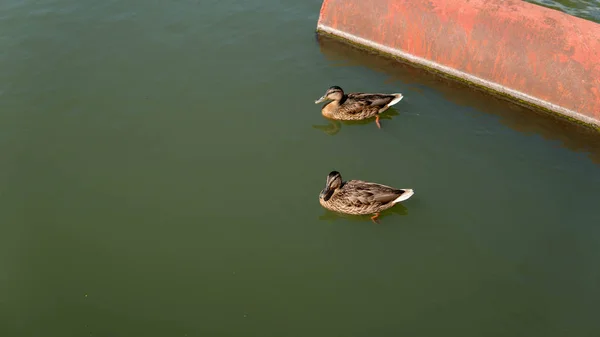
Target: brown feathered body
(360,197)
(355,106)
(358,106)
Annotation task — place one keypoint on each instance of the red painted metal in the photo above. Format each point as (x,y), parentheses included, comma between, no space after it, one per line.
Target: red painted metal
(533,53)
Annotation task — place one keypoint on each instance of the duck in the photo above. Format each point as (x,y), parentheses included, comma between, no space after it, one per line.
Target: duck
(357,197)
(355,106)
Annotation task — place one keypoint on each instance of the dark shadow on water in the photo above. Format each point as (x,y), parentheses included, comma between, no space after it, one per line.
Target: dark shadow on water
(334,126)
(398,209)
(522,119)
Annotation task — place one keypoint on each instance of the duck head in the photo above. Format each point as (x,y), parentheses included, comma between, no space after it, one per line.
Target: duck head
(334,93)
(334,181)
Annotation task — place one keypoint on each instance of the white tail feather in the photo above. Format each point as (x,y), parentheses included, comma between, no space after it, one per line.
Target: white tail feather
(407,194)
(398,98)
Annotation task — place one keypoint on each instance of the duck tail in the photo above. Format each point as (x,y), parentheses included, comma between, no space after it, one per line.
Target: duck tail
(398,98)
(407,194)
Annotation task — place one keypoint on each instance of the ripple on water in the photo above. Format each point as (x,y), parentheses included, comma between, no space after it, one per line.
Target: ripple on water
(585,9)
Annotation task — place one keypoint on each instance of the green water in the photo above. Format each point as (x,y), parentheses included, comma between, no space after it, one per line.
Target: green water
(585,9)
(161,163)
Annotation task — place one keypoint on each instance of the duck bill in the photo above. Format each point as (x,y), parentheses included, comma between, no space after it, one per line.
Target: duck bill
(326,194)
(320,100)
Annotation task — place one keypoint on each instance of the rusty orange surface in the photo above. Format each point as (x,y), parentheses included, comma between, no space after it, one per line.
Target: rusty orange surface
(541,52)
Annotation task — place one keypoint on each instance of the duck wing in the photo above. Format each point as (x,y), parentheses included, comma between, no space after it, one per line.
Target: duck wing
(371,99)
(364,193)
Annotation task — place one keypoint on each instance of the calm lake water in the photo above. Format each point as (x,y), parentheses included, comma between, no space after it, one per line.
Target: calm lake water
(161,164)
(586,9)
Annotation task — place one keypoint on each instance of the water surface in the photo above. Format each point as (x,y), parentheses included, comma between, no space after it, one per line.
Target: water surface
(161,163)
(585,9)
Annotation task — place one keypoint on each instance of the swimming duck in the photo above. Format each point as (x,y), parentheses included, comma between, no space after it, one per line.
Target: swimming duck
(359,197)
(355,106)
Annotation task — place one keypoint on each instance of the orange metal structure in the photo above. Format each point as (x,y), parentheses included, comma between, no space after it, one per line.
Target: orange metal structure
(535,54)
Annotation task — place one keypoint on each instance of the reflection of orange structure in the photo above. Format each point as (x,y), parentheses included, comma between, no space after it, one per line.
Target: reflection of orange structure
(535,54)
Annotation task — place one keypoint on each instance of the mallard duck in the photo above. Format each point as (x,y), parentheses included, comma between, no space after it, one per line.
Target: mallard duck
(356,105)
(359,197)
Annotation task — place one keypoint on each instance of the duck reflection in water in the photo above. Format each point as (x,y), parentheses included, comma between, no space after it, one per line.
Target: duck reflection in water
(334,126)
